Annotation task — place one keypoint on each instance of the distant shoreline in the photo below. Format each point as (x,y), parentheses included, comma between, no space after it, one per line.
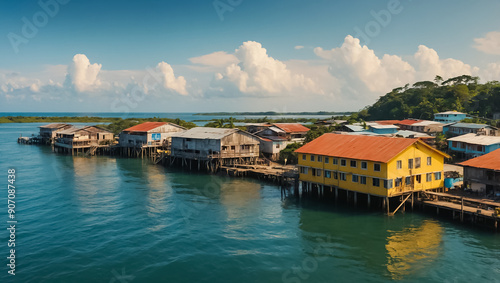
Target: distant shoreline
(272,113)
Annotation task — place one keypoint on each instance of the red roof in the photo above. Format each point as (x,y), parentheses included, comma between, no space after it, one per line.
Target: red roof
(487,161)
(373,148)
(397,122)
(291,128)
(144,127)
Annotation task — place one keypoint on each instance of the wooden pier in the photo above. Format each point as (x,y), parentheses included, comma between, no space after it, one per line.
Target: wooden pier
(476,211)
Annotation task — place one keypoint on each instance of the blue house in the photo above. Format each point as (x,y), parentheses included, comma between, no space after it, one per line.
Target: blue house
(450,116)
(383,129)
(473,145)
(458,129)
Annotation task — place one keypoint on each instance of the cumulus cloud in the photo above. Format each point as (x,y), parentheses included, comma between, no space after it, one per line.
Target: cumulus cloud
(170,81)
(356,64)
(258,73)
(490,44)
(298,47)
(82,75)
(364,74)
(429,65)
(215,59)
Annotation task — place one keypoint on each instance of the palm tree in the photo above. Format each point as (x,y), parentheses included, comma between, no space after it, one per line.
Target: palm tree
(231,121)
(219,123)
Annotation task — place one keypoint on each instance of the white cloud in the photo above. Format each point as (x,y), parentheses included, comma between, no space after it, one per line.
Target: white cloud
(82,75)
(429,65)
(258,73)
(355,64)
(362,74)
(215,59)
(490,44)
(170,81)
(298,47)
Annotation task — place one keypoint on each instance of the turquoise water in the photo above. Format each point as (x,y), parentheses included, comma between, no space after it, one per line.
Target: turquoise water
(104,219)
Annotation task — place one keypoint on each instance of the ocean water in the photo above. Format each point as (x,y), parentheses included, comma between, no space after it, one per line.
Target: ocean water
(103,219)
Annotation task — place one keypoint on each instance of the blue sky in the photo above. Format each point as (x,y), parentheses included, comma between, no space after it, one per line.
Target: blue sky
(122,39)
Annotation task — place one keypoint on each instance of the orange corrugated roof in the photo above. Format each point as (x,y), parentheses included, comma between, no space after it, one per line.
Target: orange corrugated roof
(397,122)
(373,148)
(487,161)
(144,127)
(292,128)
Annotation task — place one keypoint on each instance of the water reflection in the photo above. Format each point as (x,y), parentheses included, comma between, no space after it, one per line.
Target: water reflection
(94,183)
(410,250)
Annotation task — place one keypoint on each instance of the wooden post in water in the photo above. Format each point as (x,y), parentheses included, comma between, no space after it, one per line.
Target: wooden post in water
(355,198)
(412,197)
(387,205)
(462,210)
(368,200)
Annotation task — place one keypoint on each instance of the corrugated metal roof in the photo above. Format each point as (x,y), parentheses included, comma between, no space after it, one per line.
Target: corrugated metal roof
(386,122)
(449,112)
(384,127)
(54,126)
(405,134)
(292,128)
(470,125)
(144,127)
(206,133)
(477,139)
(426,123)
(373,148)
(487,161)
(355,128)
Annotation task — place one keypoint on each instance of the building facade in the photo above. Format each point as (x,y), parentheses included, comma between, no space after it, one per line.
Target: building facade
(149,134)
(450,116)
(473,145)
(379,166)
(227,146)
(49,131)
(482,174)
(458,129)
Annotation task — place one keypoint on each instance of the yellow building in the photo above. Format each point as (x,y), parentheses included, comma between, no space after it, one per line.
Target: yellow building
(372,165)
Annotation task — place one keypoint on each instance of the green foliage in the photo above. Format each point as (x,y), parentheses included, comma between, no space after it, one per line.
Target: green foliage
(423,99)
(316,132)
(289,154)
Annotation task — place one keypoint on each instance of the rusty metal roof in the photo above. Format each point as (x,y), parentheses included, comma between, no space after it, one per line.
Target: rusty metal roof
(487,161)
(291,128)
(373,148)
(144,127)
(54,126)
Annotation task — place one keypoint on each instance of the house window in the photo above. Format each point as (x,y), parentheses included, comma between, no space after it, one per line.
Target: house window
(335,161)
(343,162)
(328,174)
(320,158)
(418,178)
(417,162)
(429,160)
(304,170)
(398,182)
(362,180)
(428,177)
(388,184)
(233,147)
(376,167)
(313,171)
(335,175)
(327,160)
(364,165)
(318,172)
(277,146)
(312,157)
(408,180)
(454,144)
(410,163)
(376,182)
(355,178)
(354,164)
(303,157)
(437,176)
(342,176)
(224,147)
(399,164)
